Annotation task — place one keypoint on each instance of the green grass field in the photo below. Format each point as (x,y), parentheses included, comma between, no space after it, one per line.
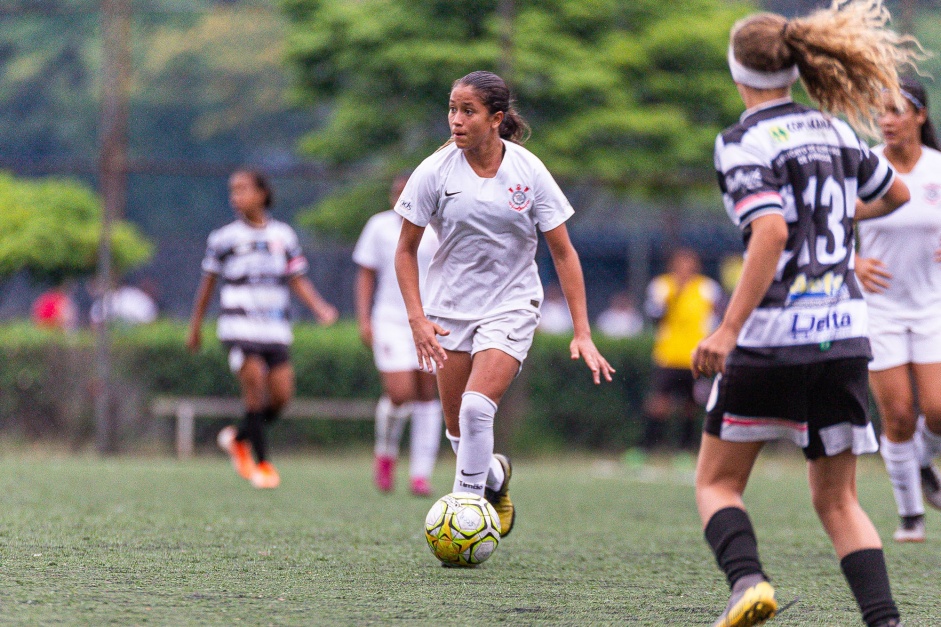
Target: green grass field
(156,541)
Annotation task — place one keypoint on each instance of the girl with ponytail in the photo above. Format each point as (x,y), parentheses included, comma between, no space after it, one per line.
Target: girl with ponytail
(486,197)
(792,348)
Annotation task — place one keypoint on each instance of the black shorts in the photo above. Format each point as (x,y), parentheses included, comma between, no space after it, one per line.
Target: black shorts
(273,354)
(821,407)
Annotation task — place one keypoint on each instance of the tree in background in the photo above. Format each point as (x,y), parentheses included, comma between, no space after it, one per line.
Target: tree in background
(51,228)
(624,95)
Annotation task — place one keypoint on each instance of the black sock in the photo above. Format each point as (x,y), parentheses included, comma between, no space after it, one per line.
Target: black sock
(271,414)
(868,578)
(730,534)
(253,430)
(653,433)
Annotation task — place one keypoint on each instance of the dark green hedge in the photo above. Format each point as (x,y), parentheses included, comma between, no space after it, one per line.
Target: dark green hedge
(46,380)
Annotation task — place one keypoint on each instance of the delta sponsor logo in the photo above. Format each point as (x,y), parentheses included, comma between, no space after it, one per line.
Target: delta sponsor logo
(743,179)
(808,325)
(520,198)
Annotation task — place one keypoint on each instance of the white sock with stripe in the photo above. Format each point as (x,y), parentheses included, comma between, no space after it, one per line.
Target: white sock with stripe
(901,461)
(475,453)
(426,438)
(390,422)
(930,443)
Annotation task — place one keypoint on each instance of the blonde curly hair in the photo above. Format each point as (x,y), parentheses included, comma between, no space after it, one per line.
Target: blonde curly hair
(846,55)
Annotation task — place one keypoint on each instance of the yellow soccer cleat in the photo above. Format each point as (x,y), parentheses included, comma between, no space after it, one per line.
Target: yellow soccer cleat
(500,499)
(755,605)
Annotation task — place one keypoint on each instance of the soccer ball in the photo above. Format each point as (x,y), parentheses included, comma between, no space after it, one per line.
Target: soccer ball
(462,529)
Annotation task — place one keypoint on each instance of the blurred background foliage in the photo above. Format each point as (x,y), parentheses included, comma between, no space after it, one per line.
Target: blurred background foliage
(52,227)
(623,95)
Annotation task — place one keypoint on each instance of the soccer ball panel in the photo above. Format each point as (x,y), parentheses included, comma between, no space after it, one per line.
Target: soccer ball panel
(462,529)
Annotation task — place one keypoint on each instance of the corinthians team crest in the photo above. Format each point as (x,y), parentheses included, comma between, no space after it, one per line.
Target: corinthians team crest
(932,193)
(520,198)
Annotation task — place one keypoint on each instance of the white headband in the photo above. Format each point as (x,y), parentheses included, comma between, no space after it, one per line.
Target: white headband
(759,79)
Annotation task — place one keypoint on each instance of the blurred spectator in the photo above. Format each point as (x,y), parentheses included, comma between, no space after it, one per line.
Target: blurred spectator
(554,313)
(55,309)
(683,303)
(127,304)
(621,318)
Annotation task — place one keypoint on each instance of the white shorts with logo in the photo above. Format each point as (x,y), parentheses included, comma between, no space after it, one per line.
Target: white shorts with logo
(393,348)
(899,342)
(511,332)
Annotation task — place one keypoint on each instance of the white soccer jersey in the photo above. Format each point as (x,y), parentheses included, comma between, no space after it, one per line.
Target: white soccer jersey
(487,228)
(255,265)
(375,250)
(906,241)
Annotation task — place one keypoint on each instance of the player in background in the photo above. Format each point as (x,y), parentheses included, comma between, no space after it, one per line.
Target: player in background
(683,302)
(485,196)
(383,327)
(792,348)
(899,268)
(259,262)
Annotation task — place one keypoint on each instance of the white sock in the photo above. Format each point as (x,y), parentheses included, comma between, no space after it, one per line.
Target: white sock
(426,438)
(476,451)
(390,422)
(902,463)
(930,443)
(495,476)
(454,440)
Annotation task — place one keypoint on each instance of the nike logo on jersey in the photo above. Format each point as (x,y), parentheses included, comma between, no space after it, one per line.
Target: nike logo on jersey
(471,474)
(447,193)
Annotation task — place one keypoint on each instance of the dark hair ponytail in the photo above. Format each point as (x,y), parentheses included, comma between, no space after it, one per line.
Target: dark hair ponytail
(912,91)
(496,97)
(261,182)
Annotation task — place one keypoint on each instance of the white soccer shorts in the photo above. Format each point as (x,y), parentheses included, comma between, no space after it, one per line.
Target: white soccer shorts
(511,332)
(393,348)
(899,342)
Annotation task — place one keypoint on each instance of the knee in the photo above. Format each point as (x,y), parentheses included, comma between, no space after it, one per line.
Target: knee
(477,413)
(897,413)
(833,504)
(399,396)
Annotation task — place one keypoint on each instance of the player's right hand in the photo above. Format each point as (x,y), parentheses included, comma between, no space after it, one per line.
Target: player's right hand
(872,274)
(194,340)
(430,353)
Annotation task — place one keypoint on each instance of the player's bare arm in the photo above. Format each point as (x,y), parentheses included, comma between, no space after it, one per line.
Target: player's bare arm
(769,236)
(365,289)
(203,294)
(569,269)
(895,197)
(326,313)
(424,331)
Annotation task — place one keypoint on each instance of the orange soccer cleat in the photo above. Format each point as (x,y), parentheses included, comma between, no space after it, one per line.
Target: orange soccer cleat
(265,476)
(239,452)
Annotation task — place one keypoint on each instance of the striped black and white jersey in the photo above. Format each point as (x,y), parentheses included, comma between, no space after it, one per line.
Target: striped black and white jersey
(788,159)
(255,265)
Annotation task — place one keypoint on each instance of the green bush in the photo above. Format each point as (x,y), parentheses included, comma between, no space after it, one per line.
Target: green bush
(47,379)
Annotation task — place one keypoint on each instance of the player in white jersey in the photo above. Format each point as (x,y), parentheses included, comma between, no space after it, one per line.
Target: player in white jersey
(259,262)
(383,327)
(900,270)
(485,196)
(791,350)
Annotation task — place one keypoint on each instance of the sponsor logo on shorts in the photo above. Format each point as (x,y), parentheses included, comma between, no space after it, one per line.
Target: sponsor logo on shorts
(932,193)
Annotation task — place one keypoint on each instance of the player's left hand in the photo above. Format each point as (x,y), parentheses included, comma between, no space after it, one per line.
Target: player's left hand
(327,314)
(710,355)
(583,347)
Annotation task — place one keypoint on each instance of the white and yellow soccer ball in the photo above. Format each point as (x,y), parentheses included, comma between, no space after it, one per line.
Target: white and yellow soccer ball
(462,529)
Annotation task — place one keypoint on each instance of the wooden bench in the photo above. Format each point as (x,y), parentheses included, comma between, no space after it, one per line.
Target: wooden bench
(186,409)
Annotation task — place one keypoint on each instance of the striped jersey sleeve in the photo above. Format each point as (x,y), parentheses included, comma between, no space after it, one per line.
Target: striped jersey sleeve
(750,188)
